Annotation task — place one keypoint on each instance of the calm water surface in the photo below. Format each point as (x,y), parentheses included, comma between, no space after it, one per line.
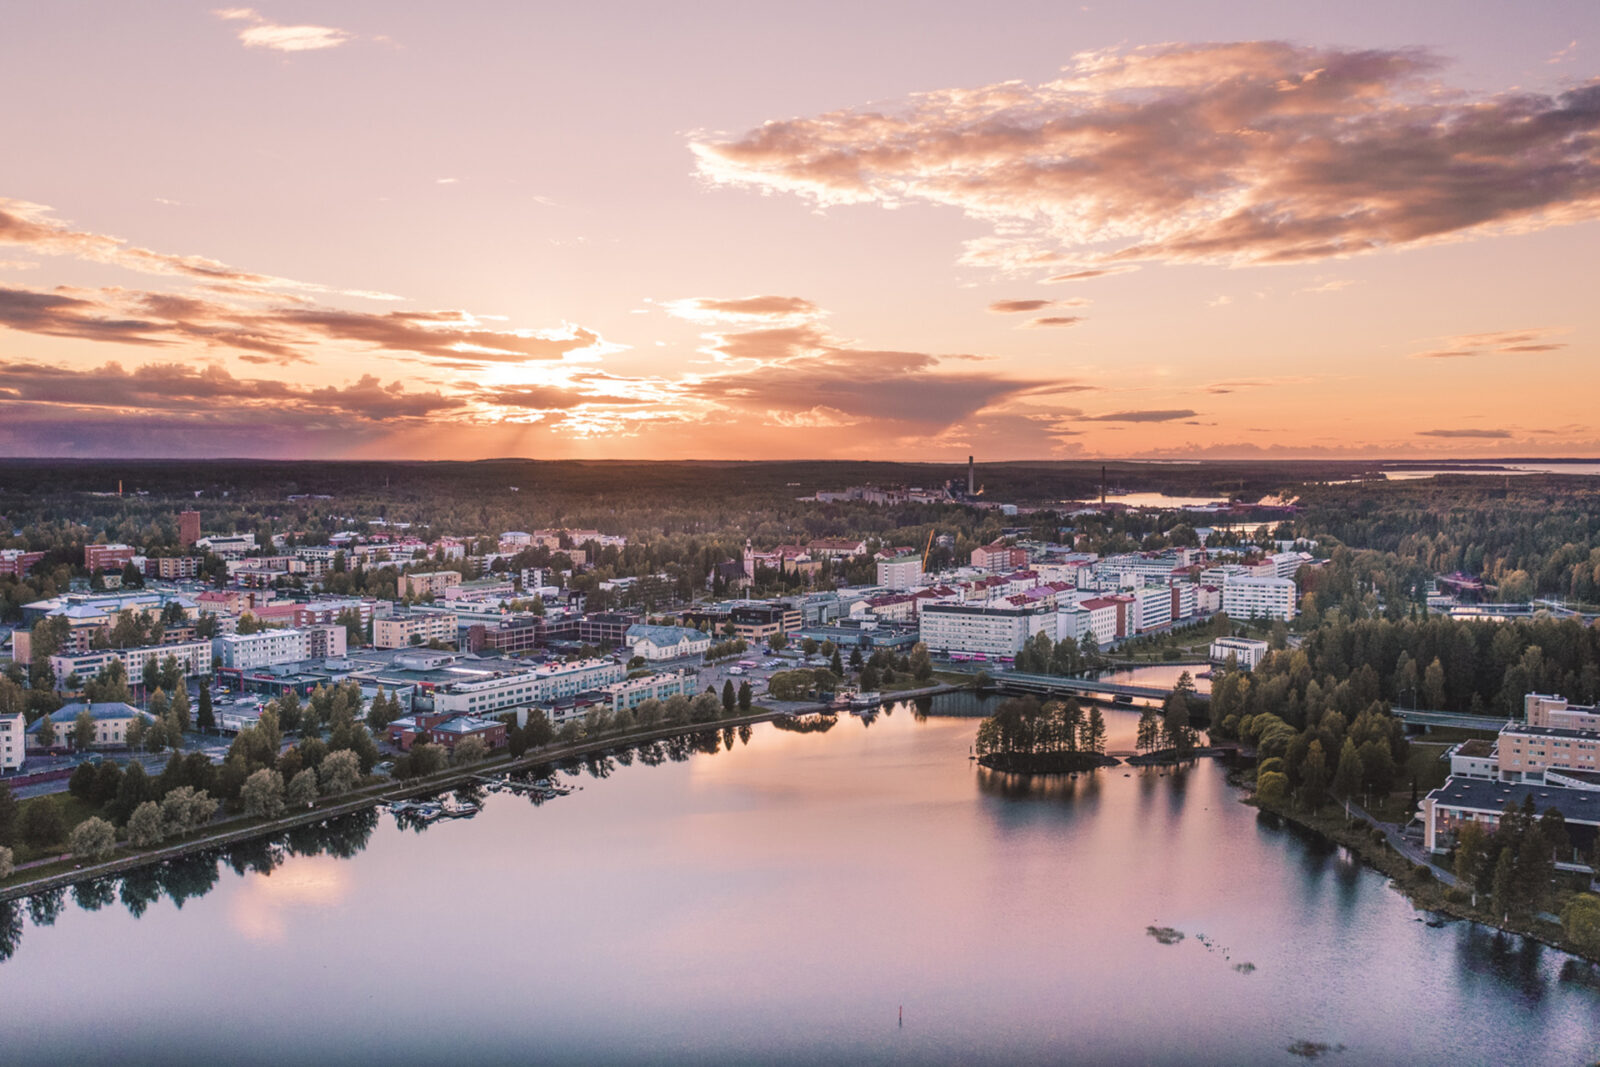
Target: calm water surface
(778,902)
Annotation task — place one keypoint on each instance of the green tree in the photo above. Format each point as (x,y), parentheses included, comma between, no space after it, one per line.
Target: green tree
(1433,684)
(1472,852)
(1347,775)
(1314,775)
(744,697)
(340,772)
(1272,788)
(1094,732)
(1580,922)
(302,791)
(262,794)
(8,815)
(7,863)
(83,731)
(836,664)
(470,750)
(93,839)
(145,826)
(82,782)
(41,824)
(730,699)
(46,733)
(1148,737)
(180,709)
(1503,888)
(205,717)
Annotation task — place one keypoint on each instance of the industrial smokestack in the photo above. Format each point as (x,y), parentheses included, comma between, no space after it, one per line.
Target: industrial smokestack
(1102,485)
(972,485)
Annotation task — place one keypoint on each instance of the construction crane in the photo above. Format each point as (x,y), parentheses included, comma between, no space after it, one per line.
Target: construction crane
(927,549)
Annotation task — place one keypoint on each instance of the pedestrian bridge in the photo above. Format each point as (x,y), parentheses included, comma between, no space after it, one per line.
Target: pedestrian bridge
(1453,719)
(1051,685)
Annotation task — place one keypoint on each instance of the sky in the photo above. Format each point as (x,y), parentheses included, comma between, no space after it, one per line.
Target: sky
(1178,230)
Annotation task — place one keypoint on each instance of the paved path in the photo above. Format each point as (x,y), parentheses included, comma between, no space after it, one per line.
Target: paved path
(1403,845)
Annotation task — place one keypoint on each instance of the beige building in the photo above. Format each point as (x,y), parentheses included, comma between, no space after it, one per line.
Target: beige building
(415,627)
(425,582)
(111,722)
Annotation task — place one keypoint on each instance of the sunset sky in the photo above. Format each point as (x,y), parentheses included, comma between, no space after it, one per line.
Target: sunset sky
(866,231)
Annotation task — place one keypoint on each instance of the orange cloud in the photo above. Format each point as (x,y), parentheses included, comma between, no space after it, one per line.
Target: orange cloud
(1251,152)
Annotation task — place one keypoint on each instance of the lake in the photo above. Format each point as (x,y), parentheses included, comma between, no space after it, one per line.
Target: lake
(779,901)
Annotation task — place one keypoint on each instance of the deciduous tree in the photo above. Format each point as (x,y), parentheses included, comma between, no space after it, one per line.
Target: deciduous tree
(93,838)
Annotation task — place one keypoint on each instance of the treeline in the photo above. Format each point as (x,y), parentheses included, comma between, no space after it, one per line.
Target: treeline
(1528,535)
(1479,667)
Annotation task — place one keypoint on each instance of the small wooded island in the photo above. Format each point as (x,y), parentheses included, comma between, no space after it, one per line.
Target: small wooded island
(1025,737)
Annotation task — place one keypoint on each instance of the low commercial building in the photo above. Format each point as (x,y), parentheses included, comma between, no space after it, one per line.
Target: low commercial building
(1247,652)
(1463,800)
(111,721)
(607,629)
(507,684)
(631,692)
(666,642)
(446,729)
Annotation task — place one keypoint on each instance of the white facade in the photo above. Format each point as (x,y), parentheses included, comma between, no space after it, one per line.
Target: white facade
(1258,598)
(268,648)
(13,743)
(900,573)
(983,631)
(194,658)
(667,642)
(510,689)
(1155,607)
(1247,652)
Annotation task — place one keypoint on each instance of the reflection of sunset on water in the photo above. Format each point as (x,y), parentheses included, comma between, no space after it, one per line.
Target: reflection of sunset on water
(261,909)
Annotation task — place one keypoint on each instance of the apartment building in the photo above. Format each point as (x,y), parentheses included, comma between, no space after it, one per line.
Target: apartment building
(982,630)
(415,627)
(502,689)
(194,659)
(15,563)
(900,573)
(268,648)
(13,746)
(999,557)
(98,558)
(425,583)
(1258,598)
(1247,652)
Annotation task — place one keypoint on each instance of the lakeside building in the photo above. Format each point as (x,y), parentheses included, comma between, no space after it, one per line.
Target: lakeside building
(865,634)
(13,745)
(1246,651)
(111,722)
(482,688)
(982,630)
(1258,598)
(666,642)
(448,730)
(194,660)
(631,692)
(1462,800)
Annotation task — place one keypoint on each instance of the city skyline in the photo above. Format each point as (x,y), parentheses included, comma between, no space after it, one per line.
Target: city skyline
(314,231)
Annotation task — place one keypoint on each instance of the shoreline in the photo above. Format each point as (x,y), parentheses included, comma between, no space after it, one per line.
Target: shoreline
(1426,895)
(229,832)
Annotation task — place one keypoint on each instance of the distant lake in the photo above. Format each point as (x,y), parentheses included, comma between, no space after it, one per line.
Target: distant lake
(778,899)
(1497,470)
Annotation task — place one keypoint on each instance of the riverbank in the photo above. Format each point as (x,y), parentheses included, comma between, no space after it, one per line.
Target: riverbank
(1428,888)
(63,871)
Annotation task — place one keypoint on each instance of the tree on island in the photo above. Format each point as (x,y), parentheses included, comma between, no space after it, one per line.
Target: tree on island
(1148,736)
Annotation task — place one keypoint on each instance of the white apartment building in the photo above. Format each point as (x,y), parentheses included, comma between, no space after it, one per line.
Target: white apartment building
(13,742)
(194,659)
(1155,607)
(423,583)
(632,692)
(974,629)
(1247,652)
(900,573)
(1258,598)
(271,647)
(501,690)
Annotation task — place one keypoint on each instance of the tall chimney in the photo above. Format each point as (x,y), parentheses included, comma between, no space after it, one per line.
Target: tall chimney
(1102,485)
(971,483)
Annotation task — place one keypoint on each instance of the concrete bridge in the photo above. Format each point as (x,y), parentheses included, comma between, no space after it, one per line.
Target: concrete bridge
(1427,719)
(1051,685)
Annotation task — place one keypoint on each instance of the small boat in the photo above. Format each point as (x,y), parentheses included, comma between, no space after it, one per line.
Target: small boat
(459,809)
(865,700)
